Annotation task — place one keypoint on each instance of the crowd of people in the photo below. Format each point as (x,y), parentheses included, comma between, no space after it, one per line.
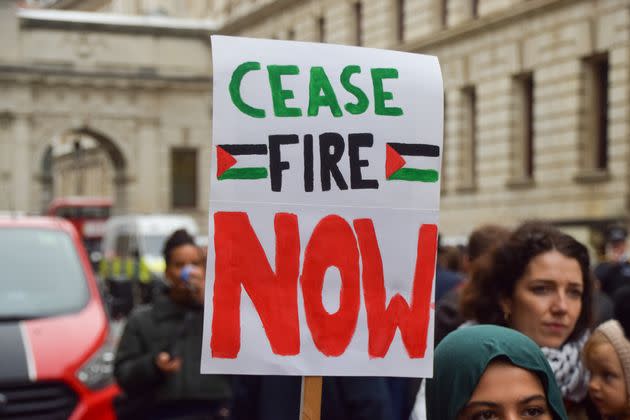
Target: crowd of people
(525,327)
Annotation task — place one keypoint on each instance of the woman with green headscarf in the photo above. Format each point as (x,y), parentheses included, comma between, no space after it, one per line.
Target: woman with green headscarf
(488,372)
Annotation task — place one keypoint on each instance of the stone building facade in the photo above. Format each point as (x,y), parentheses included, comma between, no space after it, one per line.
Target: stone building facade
(139,87)
(537,97)
(537,93)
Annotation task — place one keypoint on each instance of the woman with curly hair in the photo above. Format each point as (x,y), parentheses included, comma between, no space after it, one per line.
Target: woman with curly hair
(539,283)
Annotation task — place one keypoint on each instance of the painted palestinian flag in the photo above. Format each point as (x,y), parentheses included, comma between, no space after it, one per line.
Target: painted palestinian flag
(226,161)
(395,169)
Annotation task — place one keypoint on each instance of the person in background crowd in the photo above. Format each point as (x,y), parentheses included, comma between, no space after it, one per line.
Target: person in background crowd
(447,312)
(490,372)
(481,240)
(445,278)
(343,398)
(158,360)
(607,356)
(614,273)
(451,258)
(539,282)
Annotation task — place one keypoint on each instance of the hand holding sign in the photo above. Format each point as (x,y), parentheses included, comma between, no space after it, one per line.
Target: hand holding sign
(324,206)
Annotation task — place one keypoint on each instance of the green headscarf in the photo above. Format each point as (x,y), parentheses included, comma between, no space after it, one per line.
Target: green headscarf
(462,357)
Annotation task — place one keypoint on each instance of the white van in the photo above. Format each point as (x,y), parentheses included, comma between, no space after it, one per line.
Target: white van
(132,255)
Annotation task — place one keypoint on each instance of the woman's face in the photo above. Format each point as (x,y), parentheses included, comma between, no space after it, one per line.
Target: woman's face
(179,258)
(507,392)
(607,386)
(547,300)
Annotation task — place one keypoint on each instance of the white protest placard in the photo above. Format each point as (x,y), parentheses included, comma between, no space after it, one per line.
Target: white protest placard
(324,205)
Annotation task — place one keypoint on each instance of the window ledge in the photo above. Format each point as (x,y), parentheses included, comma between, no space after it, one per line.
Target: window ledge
(520,183)
(592,176)
(184,209)
(468,188)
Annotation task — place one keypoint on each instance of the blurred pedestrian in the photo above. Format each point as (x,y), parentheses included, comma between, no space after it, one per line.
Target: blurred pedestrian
(447,270)
(448,278)
(343,398)
(539,283)
(614,273)
(447,308)
(445,278)
(158,360)
(491,372)
(451,258)
(482,240)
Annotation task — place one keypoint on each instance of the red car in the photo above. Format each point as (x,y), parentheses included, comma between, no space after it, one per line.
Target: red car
(55,348)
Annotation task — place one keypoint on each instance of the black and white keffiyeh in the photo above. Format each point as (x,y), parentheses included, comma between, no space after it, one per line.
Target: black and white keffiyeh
(571,374)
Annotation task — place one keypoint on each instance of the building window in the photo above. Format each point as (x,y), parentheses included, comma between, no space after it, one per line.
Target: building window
(523,128)
(474,8)
(183,178)
(599,105)
(444,13)
(594,134)
(468,137)
(321,29)
(358,18)
(399,19)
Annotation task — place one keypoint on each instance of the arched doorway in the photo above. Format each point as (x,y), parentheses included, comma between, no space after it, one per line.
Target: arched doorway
(84,162)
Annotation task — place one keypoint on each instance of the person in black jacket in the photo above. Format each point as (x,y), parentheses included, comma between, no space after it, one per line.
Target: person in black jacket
(481,241)
(158,359)
(343,398)
(614,273)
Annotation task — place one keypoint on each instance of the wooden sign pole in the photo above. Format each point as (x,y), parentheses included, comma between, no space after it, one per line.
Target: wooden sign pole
(311,403)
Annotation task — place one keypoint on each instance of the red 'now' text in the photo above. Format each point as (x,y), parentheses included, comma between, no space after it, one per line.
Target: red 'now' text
(241,262)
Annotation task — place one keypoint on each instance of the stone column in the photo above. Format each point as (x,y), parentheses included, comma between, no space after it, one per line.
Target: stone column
(21,164)
(121,202)
(146,199)
(45,179)
(6,190)
(9,30)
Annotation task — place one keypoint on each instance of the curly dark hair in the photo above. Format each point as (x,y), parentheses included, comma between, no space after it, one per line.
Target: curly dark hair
(494,276)
(484,239)
(178,238)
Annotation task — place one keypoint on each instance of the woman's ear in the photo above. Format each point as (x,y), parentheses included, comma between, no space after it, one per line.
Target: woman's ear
(506,307)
